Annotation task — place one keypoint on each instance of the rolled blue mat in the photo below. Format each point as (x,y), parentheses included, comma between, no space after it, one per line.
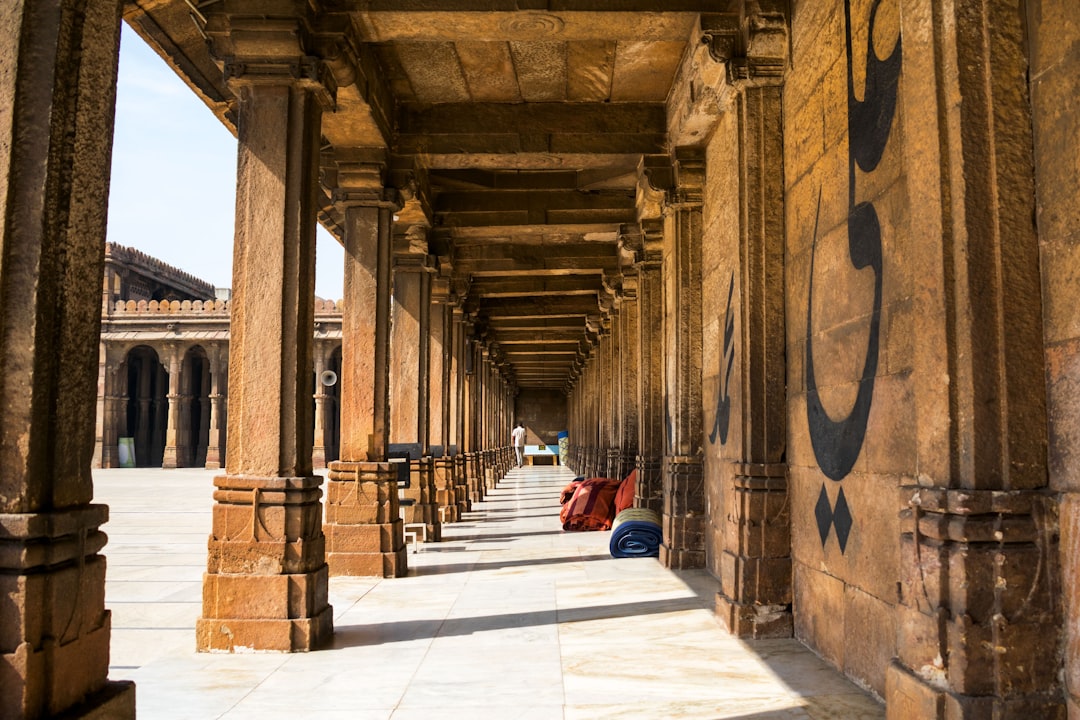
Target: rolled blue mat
(636,532)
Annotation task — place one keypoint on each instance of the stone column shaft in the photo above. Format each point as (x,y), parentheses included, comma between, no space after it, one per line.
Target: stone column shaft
(214,448)
(755,564)
(266,581)
(651,428)
(318,448)
(684,488)
(363,527)
(365,345)
(629,346)
(57,94)
(172,457)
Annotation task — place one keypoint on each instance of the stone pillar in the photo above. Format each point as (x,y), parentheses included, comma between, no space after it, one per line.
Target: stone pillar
(57,92)
(409,374)
(650,386)
(684,489)
(266,582)
(171,363)
(979,605)
(629,353)
(218,365)
(748,425)
(363,527)
(318,449)
(461,474)
(113,414)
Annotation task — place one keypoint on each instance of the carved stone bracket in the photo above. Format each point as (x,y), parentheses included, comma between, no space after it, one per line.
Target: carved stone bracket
(753,43)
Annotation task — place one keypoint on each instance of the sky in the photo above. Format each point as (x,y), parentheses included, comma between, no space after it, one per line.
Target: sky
(173,186)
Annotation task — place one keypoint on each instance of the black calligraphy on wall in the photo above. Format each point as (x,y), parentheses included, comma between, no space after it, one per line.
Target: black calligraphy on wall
(837,443)
(727,361)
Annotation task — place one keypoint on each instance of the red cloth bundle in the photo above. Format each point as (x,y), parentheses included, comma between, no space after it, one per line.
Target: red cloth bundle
(625,497)
(592,507)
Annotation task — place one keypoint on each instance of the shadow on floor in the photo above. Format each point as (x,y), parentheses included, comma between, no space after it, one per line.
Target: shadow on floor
(410,630)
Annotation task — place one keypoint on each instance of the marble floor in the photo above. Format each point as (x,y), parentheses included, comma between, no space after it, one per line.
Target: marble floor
(508,617)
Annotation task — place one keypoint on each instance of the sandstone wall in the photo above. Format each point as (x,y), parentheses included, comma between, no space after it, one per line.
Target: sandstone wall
(543,413)
(850,328)
(1054,36)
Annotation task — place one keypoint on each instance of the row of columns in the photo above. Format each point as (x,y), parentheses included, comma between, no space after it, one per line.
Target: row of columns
(270,553)
(635,400)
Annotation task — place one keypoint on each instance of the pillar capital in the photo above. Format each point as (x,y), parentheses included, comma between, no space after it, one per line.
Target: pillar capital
(752,43)
(269,49)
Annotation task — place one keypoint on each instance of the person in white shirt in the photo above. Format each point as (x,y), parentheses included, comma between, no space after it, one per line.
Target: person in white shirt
(517,438)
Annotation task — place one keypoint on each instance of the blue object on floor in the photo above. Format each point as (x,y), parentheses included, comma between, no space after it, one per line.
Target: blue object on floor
(636,532)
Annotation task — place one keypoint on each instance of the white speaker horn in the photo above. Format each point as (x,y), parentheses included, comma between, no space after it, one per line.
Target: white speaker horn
(328,378)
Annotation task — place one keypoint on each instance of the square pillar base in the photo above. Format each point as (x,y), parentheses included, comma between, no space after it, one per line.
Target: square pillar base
(683,515)
(265,635)
(364,535)
(754,621)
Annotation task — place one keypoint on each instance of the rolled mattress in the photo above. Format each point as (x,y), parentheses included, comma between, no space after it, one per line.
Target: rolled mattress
(636,533)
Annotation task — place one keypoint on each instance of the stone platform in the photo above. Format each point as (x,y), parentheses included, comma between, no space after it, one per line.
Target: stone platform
(507,617)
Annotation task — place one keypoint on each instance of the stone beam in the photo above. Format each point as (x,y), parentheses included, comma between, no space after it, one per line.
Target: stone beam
(655,20)
(540,307)
(490,288)
(582,256)
(501,128)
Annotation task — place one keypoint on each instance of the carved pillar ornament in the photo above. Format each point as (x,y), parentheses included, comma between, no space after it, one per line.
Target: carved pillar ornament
(267,539)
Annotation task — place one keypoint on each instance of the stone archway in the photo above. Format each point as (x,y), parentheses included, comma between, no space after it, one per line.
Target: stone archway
(194,427)
(147,405)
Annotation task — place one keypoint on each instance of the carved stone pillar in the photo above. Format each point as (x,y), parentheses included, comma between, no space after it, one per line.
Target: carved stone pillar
(409,374)
(58,90)
(266,582)
(980,601)
(114,408)
(746,423)
(218,367)
(629,353)
(650,390)
(684,489)
(318,449)
(461,473)
(363,527)
(172,365)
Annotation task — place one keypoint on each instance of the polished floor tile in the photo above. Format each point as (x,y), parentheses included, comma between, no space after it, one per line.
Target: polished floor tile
(508,617)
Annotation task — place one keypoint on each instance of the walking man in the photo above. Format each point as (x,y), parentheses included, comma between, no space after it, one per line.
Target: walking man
(517,437)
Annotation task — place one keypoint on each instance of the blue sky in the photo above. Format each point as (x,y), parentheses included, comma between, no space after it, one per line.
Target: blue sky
(174,176)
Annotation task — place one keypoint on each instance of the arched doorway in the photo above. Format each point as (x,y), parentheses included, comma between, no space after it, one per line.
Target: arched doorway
(194,427)
(147,405)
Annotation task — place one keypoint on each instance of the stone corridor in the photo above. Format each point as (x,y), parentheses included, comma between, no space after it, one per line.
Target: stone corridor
(508,617)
